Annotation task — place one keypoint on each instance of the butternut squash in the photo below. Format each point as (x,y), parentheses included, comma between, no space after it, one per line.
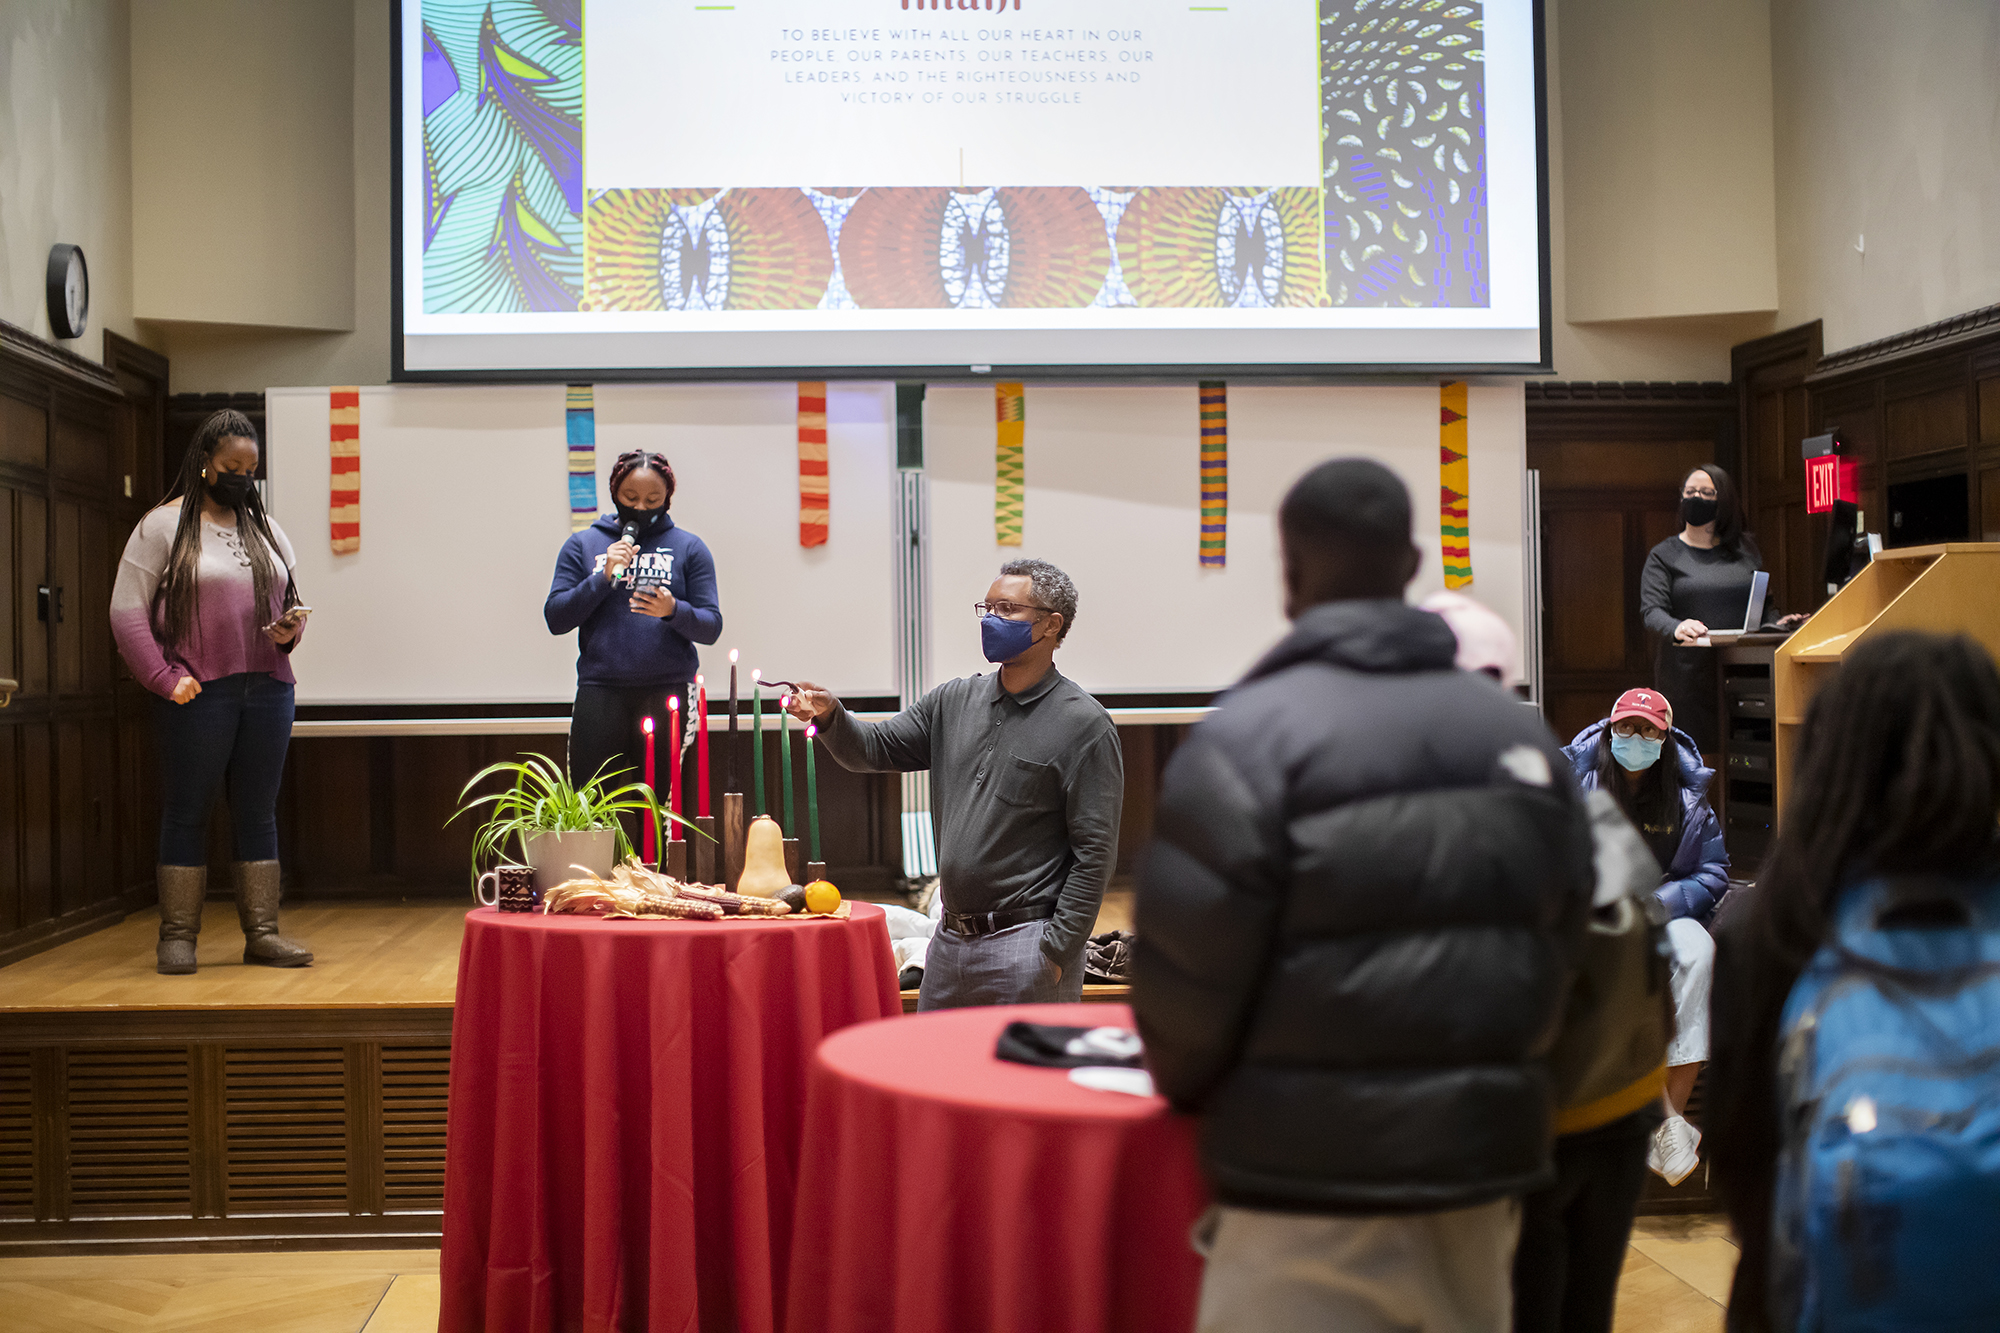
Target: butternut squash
(764,874)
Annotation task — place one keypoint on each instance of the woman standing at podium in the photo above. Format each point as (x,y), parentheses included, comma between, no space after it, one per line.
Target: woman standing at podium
(1698,580)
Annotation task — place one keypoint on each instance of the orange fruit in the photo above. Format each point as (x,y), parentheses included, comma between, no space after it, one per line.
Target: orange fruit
(821,896)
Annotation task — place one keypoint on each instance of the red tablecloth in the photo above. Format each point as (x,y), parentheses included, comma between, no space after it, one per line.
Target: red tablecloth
(626,1105)
(944,1190)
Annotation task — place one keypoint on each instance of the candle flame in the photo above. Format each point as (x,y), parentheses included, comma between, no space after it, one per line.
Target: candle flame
(647,724)
(700,679)
(812,730)
(755,675)
(673,706)
(732,657)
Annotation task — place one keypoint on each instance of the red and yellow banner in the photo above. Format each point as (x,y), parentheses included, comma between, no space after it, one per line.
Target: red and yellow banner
(813,497)
(1214,474)
(344,459)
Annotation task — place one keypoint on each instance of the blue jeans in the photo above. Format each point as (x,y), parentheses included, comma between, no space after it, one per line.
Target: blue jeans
(236,730)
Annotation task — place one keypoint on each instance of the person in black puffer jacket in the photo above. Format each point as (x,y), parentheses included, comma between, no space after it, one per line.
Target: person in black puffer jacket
(1355,933)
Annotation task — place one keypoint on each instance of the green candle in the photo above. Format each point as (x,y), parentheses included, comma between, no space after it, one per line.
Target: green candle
(812,796)
(785,766)
(757,742)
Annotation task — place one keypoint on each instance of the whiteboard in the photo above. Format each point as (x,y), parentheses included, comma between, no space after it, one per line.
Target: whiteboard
(465,504)
(1113,497)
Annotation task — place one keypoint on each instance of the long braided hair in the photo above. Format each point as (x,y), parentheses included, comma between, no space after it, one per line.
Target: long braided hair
(177,600)
(1897,772)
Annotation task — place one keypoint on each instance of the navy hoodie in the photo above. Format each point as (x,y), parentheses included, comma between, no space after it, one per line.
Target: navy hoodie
(620,646)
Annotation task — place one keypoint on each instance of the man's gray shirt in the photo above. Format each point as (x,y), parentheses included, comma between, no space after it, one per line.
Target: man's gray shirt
(1025,793)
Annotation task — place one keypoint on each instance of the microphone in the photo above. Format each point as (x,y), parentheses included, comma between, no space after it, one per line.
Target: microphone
(628,531)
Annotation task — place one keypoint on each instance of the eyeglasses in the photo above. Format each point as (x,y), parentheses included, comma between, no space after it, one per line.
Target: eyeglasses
(1005,610)
(1626,726)
(1698,493)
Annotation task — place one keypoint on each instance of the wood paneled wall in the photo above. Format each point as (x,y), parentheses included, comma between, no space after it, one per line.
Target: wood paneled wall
(1918,405)
(79,449)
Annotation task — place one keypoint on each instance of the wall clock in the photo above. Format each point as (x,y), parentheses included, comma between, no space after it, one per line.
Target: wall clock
(69,291)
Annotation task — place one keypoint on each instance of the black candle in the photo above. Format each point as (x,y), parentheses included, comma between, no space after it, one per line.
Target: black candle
(731,746)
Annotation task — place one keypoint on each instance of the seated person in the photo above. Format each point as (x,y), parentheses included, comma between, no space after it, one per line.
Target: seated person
(1656,775)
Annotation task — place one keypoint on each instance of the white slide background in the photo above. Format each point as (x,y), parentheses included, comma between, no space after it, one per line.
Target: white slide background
(1113,496)
(464,505)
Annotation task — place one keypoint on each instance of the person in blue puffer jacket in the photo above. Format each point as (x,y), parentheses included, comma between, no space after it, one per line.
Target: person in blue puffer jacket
(1656,775)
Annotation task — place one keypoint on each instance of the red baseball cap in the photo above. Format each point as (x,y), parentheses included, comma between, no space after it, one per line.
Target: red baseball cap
(1650,705)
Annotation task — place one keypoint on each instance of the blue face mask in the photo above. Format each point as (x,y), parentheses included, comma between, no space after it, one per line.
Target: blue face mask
(1004,639)
(1635,753)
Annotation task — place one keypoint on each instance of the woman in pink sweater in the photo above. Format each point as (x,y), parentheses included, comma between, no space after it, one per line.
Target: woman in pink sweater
(206,615)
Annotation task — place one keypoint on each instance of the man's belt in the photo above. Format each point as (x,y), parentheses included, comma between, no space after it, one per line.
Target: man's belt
(989,923)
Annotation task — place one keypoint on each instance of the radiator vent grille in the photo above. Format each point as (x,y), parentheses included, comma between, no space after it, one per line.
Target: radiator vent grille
(285,1125)
(128,1132)
(413,1102)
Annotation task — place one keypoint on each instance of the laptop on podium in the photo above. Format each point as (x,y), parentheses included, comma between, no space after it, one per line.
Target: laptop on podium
(1753,616)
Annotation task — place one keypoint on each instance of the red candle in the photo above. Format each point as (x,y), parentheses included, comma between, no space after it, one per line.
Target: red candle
(648,853)
(701,749)
(674,765)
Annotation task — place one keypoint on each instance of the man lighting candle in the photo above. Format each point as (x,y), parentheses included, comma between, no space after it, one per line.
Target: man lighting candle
(1026,785)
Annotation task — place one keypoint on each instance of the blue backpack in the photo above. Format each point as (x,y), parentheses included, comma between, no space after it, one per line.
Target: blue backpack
(1887,1208)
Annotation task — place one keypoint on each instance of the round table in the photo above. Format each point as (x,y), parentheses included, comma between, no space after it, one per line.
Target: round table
(945,1189)
(627,1099)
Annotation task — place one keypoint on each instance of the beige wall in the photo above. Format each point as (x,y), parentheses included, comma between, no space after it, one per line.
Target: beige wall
(1637,294)
(66,159)
(212,358)
(243,162)
(1888,113)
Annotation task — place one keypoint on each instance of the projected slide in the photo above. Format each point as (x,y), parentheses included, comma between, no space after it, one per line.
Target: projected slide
(940,184)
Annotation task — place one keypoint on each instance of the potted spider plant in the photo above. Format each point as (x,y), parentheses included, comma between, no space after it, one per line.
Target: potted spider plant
(557,823)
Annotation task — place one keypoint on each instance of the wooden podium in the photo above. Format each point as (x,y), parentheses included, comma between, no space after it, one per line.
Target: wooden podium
(1948,589)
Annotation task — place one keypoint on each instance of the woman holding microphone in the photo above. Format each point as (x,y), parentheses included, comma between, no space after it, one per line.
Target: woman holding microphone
(641,593)
(206,615)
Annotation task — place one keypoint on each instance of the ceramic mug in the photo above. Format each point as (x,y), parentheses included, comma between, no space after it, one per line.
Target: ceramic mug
(513,889)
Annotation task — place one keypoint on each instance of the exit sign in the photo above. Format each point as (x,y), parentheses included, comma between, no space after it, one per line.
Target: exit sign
(1828,478)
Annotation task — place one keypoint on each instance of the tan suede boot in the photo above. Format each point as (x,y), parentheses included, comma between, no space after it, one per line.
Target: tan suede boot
(181,890)
(257,909)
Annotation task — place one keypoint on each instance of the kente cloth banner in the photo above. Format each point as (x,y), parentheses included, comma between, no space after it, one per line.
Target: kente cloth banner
(1455,486)
(1010,402)
(1214,474)
(343,435)
(580,425)
(812,463)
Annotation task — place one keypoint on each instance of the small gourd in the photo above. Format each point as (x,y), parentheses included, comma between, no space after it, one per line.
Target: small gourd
(764,873)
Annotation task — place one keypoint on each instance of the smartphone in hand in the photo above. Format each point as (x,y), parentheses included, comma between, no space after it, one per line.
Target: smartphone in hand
(299,612)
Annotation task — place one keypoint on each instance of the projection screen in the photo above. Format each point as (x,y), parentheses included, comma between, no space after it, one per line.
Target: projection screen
(955,188)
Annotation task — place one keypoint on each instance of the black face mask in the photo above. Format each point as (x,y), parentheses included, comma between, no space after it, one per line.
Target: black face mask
(1697,511)
(230,489)
(647,521)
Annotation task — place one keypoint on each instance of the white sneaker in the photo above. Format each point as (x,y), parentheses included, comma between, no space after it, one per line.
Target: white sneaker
(1673,1153)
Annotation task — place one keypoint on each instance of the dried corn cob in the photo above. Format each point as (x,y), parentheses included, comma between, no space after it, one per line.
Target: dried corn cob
(736,904)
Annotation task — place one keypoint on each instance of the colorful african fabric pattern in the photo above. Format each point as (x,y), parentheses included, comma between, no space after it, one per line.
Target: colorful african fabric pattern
(343,434)
(1454,486)
(503,155)
(1214,474)
(1403,128)
(580,436)
(1010,410)
(813,498)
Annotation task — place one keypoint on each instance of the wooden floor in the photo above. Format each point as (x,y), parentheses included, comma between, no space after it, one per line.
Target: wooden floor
(401,955)
(1676,1280)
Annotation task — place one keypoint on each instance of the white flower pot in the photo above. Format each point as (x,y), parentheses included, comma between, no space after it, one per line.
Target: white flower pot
(551,856)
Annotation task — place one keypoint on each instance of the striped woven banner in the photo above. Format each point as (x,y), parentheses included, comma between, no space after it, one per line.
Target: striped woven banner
(343,434)
(1010,403)
(1214,474)
(1454,486)
(812,463)
(580,429)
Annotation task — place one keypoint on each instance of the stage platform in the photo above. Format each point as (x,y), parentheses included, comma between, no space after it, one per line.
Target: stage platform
(242,1107)
(239,1107)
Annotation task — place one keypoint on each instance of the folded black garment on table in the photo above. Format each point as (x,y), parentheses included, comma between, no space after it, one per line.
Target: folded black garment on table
(1107,961)
(1056,1047)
